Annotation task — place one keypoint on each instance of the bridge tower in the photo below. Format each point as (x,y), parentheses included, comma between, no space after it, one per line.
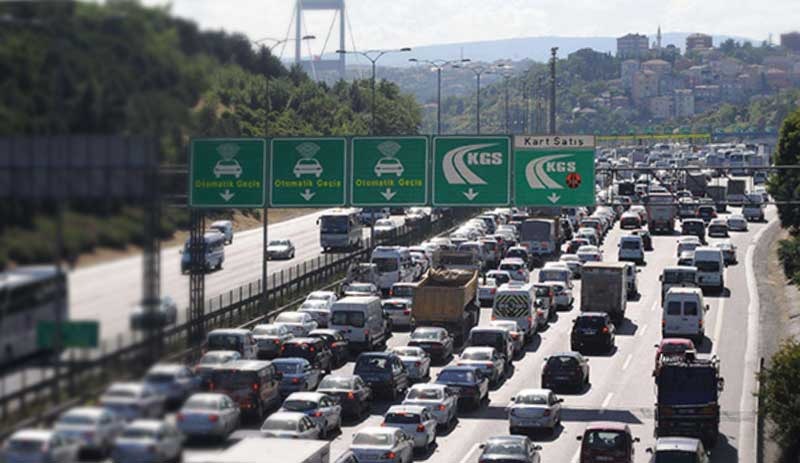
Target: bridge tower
(337,6)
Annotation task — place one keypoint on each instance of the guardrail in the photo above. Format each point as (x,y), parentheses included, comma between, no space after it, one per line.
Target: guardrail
(81,379)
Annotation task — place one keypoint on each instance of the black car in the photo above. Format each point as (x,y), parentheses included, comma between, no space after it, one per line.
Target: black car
(706,213)
(694,227)
(336,342)
(498,338)
(647,239)
(354,395)
(467,381)
(384,372)
(565,369)
(566,229)
(435,341)
(521,253)
(592,329)
(312,349)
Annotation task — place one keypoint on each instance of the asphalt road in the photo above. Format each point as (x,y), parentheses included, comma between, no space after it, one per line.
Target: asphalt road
(621,384)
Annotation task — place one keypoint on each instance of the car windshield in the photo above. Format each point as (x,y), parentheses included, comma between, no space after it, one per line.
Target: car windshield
(288,317)
(386,264)
(224,342)
(532,399)
(159,378)
(233,379)
(590,322)
(25,446)
(121,393)
(605,440)
(288,368)
(406,351)
(334,224)
(510,267)
(381,439)
(267,331)
(562,362)
(504,448)
(348,318)
(476,355)
(372,363)
(673,277)
(499,278)
(76,419)
(707,266)
(675,456)
(630,244)
(425,394)
(299,405)
(456,376)
(401,418)
(332,382)
(280,424)
(138,433)
(542,291)
(360,287)
(425,335)
(212,358)
(201,403)
(517,253)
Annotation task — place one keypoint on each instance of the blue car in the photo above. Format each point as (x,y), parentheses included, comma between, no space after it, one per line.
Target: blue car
(298,375)
(468,382)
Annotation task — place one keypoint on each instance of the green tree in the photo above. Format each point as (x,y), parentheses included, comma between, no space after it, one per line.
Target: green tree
(784,185)
(780,396)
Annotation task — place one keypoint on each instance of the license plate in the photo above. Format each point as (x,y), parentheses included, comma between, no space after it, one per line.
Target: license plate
(588,332)
(605,458)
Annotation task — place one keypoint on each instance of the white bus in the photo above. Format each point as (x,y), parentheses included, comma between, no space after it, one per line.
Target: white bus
(28,295)
(340,229)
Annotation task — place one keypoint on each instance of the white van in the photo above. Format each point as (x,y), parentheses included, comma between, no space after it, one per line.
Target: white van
(360,320)
(677,276)
(683,314)
(213,252)
(240,340)
(475,247)
(631,248)
(394,266)
(710,265)
(556,271)
(515,301)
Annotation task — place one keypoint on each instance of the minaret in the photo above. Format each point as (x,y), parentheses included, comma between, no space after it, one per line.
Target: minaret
(658,38)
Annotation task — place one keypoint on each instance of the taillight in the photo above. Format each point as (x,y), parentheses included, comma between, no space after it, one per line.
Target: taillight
(317,414)
(277,341)
(210,386)
(539,312)
(351,396)
(494,318)
(420,428)
(547,412)
(180,417)
(663,323)
(213,418)
(514,335)
(366,332)
(605,329)
(389,455)
(417,364)
(406,312)
(256,386)
(492,290)
(295,380)
(441,408)
(700,323)
(488,364)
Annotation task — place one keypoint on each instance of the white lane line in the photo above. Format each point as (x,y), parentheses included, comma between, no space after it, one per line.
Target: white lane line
(576,456)
(642,331)
(719,316)
(655,305)
(469,454)
(627,362)
(605,403)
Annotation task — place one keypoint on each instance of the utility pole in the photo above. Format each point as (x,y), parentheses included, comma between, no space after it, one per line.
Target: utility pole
(437,65)
(553,52)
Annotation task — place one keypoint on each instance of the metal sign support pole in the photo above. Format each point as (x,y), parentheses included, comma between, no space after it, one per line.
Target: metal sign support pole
(197,278)
(151,277)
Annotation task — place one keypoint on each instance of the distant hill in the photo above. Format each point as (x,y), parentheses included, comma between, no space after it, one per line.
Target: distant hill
(535,48)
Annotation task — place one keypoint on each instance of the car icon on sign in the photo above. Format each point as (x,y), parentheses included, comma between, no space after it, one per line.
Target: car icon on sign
(227,167)
(307,167)
(389,166)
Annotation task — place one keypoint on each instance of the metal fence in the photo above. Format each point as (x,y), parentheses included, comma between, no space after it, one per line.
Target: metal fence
(83,375)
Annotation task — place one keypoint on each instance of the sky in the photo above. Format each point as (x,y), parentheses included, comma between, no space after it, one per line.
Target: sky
(400,23)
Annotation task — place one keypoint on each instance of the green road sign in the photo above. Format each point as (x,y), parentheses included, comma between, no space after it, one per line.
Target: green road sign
(307,172)
(389,171)
(227,172)
(471,171)
(73,334)
(554,170)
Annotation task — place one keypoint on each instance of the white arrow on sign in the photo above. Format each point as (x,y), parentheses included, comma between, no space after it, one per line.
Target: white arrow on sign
(471,194)
(554,198)
(307,195)
(388,194)
(227,195)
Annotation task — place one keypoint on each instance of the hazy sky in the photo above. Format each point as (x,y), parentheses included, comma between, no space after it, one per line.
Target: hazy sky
(398,23)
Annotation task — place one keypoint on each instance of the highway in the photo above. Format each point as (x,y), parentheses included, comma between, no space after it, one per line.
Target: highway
(621,383)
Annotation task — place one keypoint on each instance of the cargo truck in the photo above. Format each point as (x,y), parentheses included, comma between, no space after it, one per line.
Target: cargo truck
(737,191)
(603,289)
(718,193)
(542,237)
(447,298)
(687,397)
(661,212)
(697,183)
(262,449)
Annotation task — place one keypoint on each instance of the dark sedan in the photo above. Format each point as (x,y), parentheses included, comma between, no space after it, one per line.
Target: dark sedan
(353,394)
(468,382)
(435,341)
(312,349)
(592,330)
(647,240)
(565,369)
(336,342)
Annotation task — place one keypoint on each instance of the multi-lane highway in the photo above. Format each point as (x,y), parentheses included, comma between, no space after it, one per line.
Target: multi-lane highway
(621,383)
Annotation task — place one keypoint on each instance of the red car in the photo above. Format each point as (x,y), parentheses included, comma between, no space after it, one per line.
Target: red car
(672,347)
(607,441)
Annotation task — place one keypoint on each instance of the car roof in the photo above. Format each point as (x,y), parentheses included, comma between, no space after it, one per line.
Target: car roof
(478,349)
(415,409)
(377,430)
(684,341)
(310,396)
(289,360)
(32,434)
(677,443)
(592,314)
(146,424)
(460,368)
(303,340)
(607,425)
(677,290)
(534,391)
(166,368)
(228,331)
(429,386)
(286,416)
(94,412)
(242,364)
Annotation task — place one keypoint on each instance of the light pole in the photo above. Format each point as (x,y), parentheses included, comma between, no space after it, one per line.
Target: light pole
(438,65)
(373,56)
(478,71)
(264,236)
(506,73)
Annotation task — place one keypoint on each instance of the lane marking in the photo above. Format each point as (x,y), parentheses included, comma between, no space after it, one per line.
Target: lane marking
(643,330)
(576,456)
(469,454)
(718,317)
(605,403)
(627,362)
(655,305)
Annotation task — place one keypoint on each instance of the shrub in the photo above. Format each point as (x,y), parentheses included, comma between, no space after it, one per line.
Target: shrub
(789,255)
(780,394)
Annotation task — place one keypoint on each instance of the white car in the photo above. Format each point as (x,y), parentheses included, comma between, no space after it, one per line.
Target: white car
(517,336)
(573,263)
(133,401)
(280,249)
(688,243)
(150,441)
(208,415)
(486,289)
(414,420)
(93,428)
(737,222)
(562,295)
(487,360)
(398,309)
(382,444)
(534,409)
(416,361)
(290,425)
(328,296)
(441,400)
(361,289)
(589,253)
(319,310)
(299,323)
(323,410)
(38,445)
(384,227)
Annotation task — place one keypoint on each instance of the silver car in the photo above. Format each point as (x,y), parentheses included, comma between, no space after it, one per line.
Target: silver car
(319,310)
(323,410)
(416,361)
(440,400)
(517,336)
(574,264)
(291,425)
(280,249)
(148,441)
(93,428)
(133,401)
(299,323)
(382,445)
(416,421)
(38,446)
(398,309)
(534,409)
(208,415)
(209,360)
(487,360)
(174,381)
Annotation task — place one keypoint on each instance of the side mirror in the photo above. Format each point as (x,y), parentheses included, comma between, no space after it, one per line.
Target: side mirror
(180,251)
(279,376)
(482,446)
(561,401)
(513,399)
(636,439)
(579,437)
(721,384)
(655,345)
(707,308)
(537,447)
(648,450)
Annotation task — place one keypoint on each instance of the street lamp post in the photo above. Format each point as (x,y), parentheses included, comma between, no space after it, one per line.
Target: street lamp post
(264,236)
(438,65)
(478,71)
(373,56)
